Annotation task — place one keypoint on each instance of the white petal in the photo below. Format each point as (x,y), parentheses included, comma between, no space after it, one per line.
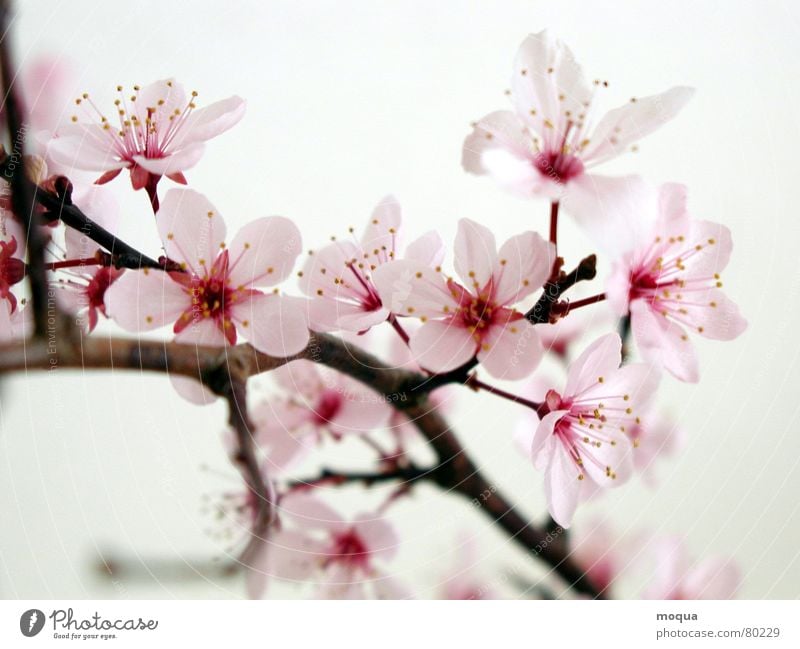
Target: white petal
(475,254)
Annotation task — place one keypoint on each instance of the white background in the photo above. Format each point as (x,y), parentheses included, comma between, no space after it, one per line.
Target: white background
(347,102)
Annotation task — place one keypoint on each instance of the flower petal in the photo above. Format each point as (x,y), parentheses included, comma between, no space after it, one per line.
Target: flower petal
(172,163)
(562,486)
(475,253)
(548,85)
(600,359)
(623,126)
(500,130)
(428,249)
(442,346)
(274,324)
(412,288)
(144,300)
(617,213)
(191,229)
(212,120)
(525,263)
(380,235)
(663,342)
(264,251)
(511,351)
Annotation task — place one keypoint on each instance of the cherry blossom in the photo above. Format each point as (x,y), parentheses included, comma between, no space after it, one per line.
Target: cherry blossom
(670,285)
(339,277)
(550,142)
(217,295)
(312,405)
(676,577)
(84,287)
(12,254)
(581,437)
(343,558)
(478,317)
(160,132)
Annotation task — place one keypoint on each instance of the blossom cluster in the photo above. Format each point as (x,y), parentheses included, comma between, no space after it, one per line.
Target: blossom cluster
(463,310)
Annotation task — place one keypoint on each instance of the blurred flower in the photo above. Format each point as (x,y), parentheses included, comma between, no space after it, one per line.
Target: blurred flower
(312,405)
(655,436)
(546,146)
(160,133)
(84,287)
(12,254)
(676,578)
(339,277)
(460,322)
(343,558)
(671,284)
(582,432)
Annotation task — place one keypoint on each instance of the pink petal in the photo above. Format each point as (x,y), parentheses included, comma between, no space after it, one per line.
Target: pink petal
(203,332)
(617,457)
(548,80)
(145,300)
(442,346)
(722,321)
(475,253)
(562,487)
(210,121)
(511,351)
(428,249)
(617,213)
(301,377)
(293,555)
(191,390)
(359,320)
(543,442)
(273,324)
(309,512)
(625,125)
(382,229)
(172,163)
(715,253)
(264,251)
(714,578)
(362,411)
(663,342)
(526,261)
(378,534)
(87,147)
(411,288)
(500,130)
(327,273)
(191,229)
(600,359)
(163,97)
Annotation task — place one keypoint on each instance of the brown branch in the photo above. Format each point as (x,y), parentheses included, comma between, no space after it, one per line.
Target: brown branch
(22,196)
(553,290)
(454,471)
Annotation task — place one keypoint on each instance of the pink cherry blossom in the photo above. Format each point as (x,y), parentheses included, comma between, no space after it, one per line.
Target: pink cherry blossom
(670,285)
(465,580)
(313,404)
(343,558)
(160,132)
(581,437)
(84,287)
(676,577)
(12,254)
(478,317)
(339,277)
(550,142)
(218,295)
